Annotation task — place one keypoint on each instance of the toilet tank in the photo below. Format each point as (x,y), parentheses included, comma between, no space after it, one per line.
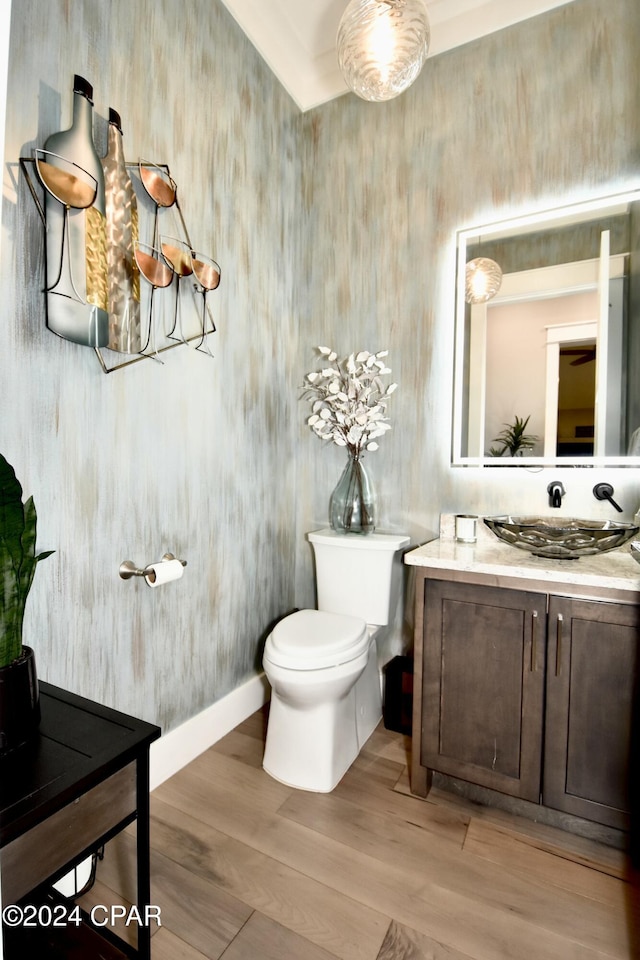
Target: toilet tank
(354,573)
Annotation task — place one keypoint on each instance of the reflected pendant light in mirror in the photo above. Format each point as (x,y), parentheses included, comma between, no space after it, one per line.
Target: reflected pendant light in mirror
(382,46)
(483,278)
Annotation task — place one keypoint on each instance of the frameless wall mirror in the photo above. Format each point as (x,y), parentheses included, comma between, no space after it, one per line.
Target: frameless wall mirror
(547,372)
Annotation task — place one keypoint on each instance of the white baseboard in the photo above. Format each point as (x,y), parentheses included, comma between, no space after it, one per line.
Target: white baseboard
(180,746)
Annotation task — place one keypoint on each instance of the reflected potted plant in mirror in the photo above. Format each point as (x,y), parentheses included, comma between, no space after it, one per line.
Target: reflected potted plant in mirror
(514,439)
(348,407)
(19,696)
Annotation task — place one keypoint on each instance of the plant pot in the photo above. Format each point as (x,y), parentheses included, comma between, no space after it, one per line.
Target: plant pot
(19,702)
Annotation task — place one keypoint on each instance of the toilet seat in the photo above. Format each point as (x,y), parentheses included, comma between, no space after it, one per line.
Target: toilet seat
(315,639)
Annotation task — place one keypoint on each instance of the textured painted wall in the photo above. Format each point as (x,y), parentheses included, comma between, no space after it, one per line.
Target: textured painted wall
(195,456)
(534,116)
(336,227)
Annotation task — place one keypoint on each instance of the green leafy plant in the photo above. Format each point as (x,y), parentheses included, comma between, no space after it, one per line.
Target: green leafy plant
(18,560)
(514,439)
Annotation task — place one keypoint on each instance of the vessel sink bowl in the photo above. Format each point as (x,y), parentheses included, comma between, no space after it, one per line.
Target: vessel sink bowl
(562,538)
(634,547)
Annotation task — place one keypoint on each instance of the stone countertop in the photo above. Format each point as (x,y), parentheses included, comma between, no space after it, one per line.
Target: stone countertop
(616,570)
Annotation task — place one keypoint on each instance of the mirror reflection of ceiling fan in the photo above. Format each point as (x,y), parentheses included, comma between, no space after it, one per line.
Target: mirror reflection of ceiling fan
(582,355)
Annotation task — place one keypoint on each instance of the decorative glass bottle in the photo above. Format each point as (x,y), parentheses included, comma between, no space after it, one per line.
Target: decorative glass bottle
(76,234)
(123,277)
(352,508)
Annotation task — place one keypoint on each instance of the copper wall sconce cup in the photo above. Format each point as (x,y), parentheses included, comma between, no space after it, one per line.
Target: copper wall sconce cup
(207,273)
(179,255)
(158,183)
(156,271)
(75,188)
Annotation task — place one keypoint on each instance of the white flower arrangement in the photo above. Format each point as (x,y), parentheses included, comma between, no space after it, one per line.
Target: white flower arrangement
(349,399)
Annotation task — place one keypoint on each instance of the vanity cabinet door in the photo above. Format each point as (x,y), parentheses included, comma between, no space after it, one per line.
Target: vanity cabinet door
(483,685)
(592,667)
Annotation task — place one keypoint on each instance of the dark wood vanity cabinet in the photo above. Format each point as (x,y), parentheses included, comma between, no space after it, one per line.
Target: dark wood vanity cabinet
(528,694)
(483,685)
(591,708)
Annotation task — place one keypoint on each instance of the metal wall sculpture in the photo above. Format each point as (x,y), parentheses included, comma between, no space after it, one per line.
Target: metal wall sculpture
(95,258)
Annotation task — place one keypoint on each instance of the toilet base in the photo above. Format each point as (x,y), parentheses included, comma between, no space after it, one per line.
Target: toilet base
(312,747)
(296,756)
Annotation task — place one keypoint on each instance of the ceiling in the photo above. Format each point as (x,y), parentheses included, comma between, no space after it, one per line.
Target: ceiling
(296,38)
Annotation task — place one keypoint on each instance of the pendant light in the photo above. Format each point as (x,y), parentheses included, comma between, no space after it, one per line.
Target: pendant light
(382,46)
(483,278)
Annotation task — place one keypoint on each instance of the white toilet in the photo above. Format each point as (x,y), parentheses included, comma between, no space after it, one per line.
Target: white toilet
(323,666)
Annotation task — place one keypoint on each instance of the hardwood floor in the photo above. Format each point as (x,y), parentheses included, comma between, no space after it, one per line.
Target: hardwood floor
(245,868)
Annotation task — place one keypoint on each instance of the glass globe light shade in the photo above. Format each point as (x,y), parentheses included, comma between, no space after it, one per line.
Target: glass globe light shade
(382,46)
(483,278)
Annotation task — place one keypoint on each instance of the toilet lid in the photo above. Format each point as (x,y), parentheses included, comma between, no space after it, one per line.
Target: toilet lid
(313,639)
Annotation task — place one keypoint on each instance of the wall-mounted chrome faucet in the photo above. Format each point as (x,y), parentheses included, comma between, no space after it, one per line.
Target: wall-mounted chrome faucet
(604,491)
(556,492)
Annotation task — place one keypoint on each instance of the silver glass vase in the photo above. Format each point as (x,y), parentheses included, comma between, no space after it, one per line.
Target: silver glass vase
(352,507)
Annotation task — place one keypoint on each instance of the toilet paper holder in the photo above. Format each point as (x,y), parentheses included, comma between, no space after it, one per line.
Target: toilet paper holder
(128,568)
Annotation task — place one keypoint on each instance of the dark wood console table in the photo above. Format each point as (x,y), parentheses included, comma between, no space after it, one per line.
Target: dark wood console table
(81,781)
